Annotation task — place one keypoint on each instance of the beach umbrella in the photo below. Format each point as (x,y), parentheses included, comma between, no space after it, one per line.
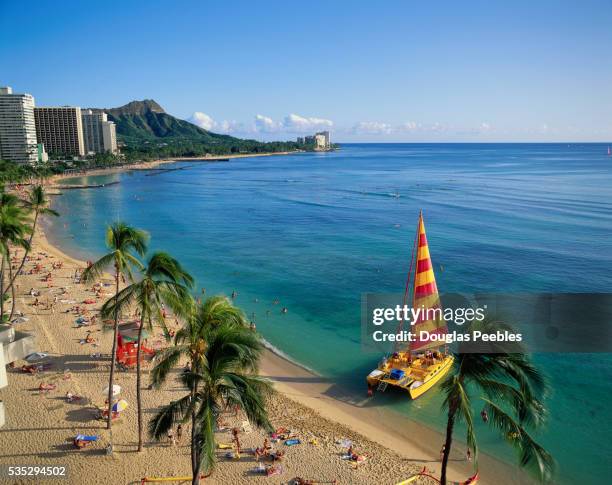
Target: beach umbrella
(131,334)
(119,406)
(116,390)
(36,356)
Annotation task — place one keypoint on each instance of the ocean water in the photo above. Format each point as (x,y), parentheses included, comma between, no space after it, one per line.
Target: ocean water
(315,231)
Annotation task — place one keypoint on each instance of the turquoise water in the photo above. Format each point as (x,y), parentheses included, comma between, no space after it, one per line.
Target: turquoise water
(315,231)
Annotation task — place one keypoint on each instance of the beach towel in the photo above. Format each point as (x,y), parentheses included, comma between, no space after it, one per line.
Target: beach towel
(274,470)
(84,437)
(292,442)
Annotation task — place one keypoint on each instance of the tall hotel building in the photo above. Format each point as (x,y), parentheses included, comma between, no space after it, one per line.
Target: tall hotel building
(60,130)
(17,127)
(100,134)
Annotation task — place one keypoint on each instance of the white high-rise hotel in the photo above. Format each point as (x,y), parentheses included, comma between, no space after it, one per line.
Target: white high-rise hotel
(100,134)
(17,127)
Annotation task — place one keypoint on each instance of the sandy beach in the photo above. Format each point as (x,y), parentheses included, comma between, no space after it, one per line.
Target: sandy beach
(41,425)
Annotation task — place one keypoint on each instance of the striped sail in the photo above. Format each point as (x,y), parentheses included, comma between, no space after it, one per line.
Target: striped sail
(426,295)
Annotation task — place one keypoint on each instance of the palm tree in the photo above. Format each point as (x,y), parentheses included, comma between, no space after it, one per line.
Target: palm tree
(223,354)
(13,231)
(122,241)
(37,203)
(512,390)
(164,283)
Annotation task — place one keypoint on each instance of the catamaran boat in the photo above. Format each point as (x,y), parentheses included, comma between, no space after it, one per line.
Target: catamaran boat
(419,366)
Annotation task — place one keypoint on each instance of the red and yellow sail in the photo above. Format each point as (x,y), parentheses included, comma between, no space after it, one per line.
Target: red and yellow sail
(425,295)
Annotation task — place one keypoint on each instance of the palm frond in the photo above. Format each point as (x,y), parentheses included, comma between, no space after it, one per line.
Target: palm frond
(168,416)
(206,422)
(531,455)
(95,270)
(250,392)
(164,362)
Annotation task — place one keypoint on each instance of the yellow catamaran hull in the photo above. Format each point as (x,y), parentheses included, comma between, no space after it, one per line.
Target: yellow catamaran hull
(418,376)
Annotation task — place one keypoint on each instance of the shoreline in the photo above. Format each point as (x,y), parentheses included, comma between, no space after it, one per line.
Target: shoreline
(414,442)
(152,164)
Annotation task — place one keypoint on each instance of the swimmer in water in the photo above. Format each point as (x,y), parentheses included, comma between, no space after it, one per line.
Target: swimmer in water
(234,294)
(284,310)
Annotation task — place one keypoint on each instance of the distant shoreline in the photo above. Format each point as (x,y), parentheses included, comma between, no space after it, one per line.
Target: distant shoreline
(149,165)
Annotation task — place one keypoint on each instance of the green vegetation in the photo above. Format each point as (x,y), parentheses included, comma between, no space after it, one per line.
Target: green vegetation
(511,390)
(11,172)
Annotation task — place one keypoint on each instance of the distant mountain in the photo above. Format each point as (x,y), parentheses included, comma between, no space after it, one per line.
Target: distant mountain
(140,121)
(137,108)
(144,126)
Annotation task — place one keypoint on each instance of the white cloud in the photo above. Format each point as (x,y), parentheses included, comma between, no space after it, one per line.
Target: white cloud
(202,120)
(299,124)
(409,126)
(372,128)
(265,124)
(208,123)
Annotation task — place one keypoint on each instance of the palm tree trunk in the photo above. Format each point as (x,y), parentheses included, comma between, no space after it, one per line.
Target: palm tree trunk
(138,377)
(111,379)
(450,424)
(2,290)
(195,458)
(12,291)
(25,254)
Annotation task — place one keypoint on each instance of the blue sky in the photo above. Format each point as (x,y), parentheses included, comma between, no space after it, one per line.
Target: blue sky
(370,71)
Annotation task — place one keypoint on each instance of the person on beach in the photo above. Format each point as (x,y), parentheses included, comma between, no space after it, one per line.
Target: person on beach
(442,450)
(468,455)
(171,438)
(236,439)
(179,433)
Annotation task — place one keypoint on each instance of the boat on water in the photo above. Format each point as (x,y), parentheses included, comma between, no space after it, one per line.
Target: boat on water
(473,480)
(419,366)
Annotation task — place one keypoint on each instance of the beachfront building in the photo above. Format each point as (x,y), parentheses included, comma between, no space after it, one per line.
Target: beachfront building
(100,134)
(319,142)
(17,127)
(60,130)
(327,140)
